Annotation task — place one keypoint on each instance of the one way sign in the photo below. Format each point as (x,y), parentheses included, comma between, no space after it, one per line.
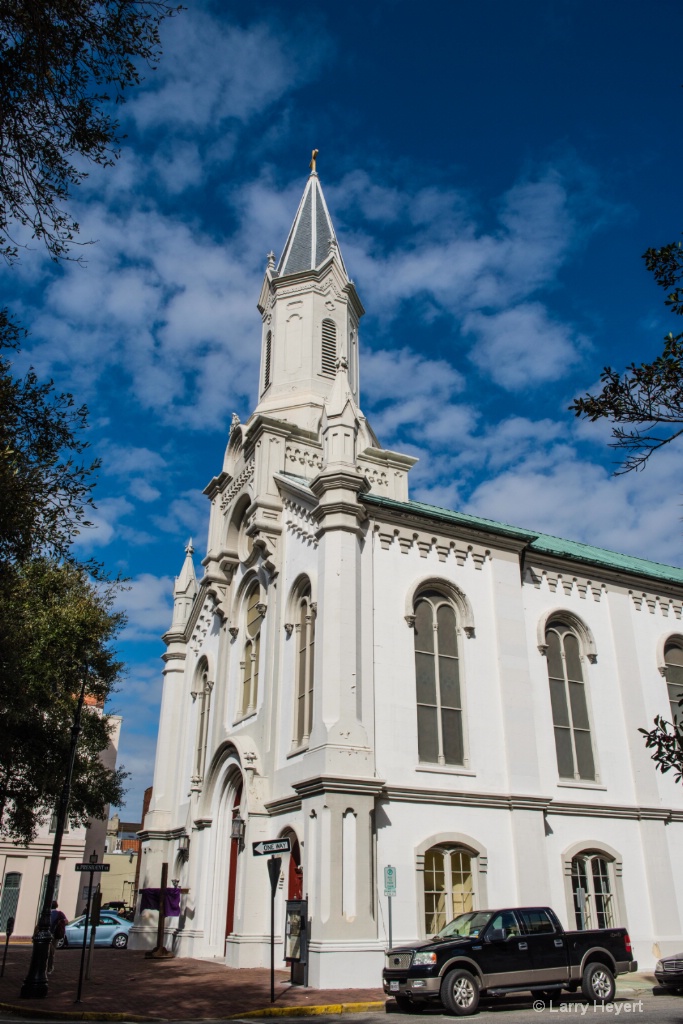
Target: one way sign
(270,846)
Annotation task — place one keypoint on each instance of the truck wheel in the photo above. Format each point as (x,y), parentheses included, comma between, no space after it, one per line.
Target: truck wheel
(460,993)
(406,1005)
(597,984)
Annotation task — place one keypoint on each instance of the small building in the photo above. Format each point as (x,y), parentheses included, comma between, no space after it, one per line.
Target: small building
(387,683)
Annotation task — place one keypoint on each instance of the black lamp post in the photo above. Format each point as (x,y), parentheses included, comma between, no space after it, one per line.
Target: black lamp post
(35,983)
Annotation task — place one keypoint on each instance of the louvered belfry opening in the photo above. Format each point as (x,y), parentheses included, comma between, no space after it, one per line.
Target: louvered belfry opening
(329,348)
(266,369)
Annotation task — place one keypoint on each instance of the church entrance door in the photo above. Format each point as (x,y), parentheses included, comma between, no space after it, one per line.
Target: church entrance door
(232,865)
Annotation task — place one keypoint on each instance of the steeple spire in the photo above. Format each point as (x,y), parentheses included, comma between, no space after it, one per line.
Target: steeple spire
(184,590)
(312,233)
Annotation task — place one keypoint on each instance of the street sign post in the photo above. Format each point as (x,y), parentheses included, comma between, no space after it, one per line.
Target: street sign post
(390,892)
(269,846)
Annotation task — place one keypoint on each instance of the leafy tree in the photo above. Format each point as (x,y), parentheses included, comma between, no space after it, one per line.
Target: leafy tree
(648,396)
(62,65)
(665,742)
(44,487)
(56,625)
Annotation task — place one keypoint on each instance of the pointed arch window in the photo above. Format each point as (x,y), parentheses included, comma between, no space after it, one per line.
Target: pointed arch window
(437,673)
(250,664)
(203,715)
(329,348)
(267,356)
(569,703)
(305,638)
(673,672)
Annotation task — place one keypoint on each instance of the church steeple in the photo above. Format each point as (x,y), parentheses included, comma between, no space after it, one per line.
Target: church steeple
(310,313)
(312,233)
(184,590)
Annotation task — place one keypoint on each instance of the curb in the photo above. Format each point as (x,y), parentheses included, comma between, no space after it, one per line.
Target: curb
(31,1011)
(270,1011)
(308,1011)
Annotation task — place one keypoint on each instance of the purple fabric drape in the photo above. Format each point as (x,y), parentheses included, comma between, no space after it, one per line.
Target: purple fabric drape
(150,901)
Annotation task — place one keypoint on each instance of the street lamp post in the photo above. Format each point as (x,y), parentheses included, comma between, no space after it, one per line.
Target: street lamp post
(35,983)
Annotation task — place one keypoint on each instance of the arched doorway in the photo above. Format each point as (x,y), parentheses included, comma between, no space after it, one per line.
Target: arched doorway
(235,845)
(295,887)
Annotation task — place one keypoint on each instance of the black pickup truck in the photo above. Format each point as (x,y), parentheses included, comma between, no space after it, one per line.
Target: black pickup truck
(492,952)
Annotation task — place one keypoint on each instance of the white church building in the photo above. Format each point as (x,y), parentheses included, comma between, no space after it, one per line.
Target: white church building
(389,683)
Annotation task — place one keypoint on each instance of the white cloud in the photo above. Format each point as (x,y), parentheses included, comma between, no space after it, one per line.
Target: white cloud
(188,513)
(213,72)
(558,492)
(148,604)
(106,522)
(522,347)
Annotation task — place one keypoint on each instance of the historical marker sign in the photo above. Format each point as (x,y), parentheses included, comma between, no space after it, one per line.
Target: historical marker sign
(268,846)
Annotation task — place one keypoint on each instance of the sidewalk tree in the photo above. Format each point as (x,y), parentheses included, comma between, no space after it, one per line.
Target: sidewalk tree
(63,66)
(56,624)
(645,405)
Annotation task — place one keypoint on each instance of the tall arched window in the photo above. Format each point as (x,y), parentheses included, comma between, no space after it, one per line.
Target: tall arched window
(437,674)
(593,891)
(267,359)
(569,705)
(250,665)
(329,348)
(673,662)
(203,714)
(305,639)
(10,897)
(449,887)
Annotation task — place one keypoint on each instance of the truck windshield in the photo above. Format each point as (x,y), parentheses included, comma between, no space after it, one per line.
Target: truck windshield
(467,925)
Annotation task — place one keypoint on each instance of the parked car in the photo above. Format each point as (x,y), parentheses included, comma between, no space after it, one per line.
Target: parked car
(111,931)
(669,972)
(492,952)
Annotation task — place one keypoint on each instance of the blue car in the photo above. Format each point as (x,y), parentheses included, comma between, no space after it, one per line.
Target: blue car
(111,931)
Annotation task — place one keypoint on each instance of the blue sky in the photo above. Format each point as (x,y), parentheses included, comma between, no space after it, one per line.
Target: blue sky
(494,172)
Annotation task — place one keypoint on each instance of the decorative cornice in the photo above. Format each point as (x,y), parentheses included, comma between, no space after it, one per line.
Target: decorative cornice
(544,804)
(238,484)
(285,805)
(338,784)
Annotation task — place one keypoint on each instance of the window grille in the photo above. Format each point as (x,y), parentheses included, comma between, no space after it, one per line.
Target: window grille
(437,674)
(569,704)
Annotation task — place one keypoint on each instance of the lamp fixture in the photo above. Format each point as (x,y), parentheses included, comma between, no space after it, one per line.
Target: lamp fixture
(238,826)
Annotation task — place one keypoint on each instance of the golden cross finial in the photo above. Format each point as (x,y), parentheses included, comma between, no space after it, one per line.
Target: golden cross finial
(312,163)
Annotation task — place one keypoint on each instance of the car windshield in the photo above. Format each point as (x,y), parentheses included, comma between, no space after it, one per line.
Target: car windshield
(466,925)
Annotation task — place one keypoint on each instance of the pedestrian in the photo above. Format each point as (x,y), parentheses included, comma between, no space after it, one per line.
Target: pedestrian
(58,923)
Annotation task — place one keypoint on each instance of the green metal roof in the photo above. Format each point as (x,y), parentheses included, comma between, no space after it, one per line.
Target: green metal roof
(543,543)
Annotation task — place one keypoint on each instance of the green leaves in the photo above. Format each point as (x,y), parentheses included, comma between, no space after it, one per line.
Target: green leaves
(56,624)
(668,752)
(649,395)
(44,486)
(61,62)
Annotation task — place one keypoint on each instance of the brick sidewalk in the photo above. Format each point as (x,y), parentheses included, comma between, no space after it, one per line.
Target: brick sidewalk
(123,981)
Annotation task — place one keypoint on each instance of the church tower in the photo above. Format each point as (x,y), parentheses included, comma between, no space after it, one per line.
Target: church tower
(268,706)
(311,312)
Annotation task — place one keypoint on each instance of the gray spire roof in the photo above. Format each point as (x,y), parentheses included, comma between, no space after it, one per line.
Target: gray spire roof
(308,244)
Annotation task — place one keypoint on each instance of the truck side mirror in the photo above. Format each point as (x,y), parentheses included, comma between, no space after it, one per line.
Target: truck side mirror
(496,935)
